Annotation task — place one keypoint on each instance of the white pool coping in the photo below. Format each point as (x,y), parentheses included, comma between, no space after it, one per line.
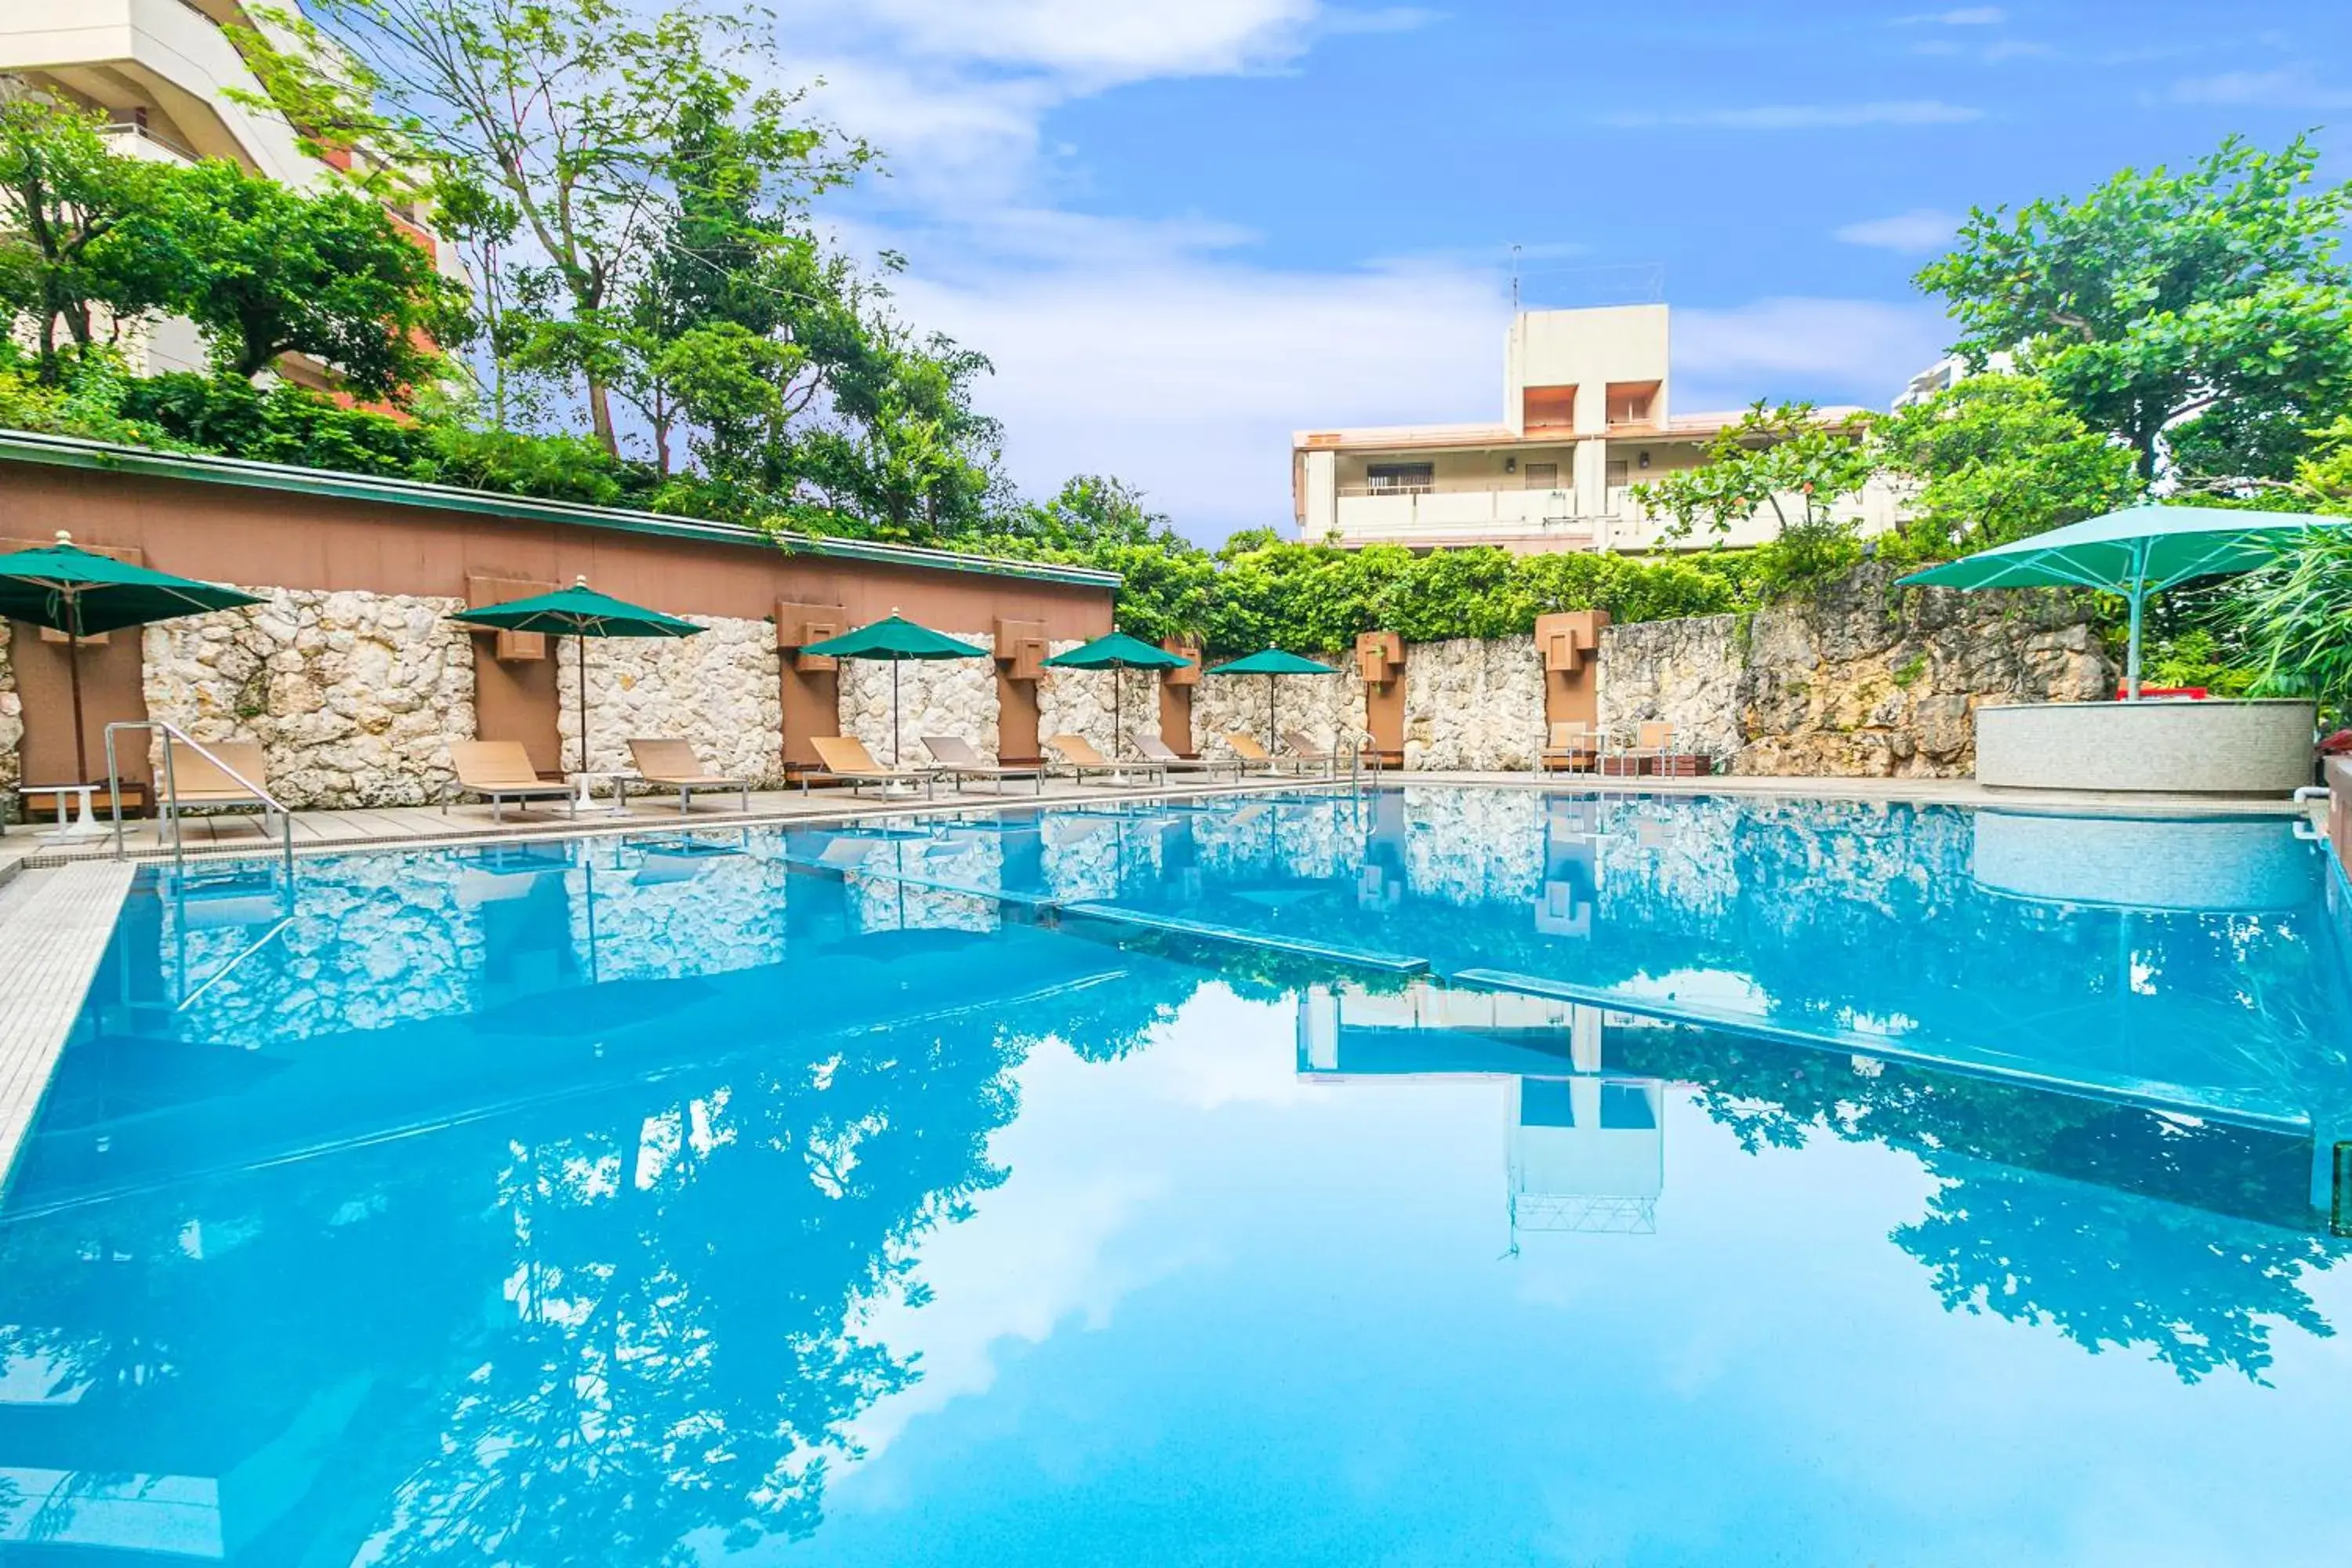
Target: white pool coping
(54,927)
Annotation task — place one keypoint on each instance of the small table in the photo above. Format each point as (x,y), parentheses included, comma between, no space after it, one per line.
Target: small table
(620,779)
(85,825)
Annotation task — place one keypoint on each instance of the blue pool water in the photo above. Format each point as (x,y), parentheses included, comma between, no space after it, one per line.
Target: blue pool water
(1438,1176)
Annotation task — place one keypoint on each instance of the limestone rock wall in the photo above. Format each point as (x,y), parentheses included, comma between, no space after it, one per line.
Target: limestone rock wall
(937,697)
(718,691)
(1861,680)
(12,722)
(1079,702)
(353,696)
(1474,704)
(1329,707)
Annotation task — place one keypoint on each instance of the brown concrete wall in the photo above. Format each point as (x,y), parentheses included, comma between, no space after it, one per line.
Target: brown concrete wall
(227,533)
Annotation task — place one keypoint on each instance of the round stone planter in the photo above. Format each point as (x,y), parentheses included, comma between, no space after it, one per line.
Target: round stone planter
(2262,748)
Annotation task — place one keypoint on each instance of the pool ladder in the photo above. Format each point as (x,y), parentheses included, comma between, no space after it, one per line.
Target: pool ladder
(168,807)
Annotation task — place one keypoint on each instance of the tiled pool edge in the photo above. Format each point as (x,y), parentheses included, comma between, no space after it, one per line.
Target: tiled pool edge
(55,933)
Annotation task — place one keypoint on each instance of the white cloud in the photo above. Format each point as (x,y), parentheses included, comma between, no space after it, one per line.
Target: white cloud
(1091,40)
(1858,351)
(2292,86)
(1805,116)
(1920,229)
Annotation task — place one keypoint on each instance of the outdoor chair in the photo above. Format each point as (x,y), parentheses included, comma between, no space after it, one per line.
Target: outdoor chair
(1253,757)
(846,759)
(674,766)
(1653,744)
(1307,753)
(1573,747)
(1169,760)
(959,760)
(500,771)
(201,784)
(1079,755)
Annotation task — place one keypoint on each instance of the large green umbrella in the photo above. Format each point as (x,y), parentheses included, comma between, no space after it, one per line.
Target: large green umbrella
(898,639)
(1272,663)
(79,593)
(1118,652)
(579,613)
(2133,553)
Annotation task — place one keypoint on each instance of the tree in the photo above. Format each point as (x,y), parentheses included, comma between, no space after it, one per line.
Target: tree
(326,274)
(571,114)
(85,244)
(1786,459)
(2212,293)
(2000,457)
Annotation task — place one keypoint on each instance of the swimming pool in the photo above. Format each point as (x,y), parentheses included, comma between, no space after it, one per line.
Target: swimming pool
(1438,1175)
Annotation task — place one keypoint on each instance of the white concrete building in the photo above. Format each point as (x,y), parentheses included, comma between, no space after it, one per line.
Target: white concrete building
(1587,414)
(167,75)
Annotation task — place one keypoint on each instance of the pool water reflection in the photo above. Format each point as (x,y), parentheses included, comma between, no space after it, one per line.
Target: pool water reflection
(1787,1183)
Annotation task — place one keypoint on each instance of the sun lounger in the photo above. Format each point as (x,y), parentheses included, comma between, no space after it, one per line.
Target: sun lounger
(1078,756)
(1654,743)
(674,766)
(1572,747)
(200,783)
(846,759)
(959,760)
(500,771)
(1307,753)
(1253,757)
(1155,750)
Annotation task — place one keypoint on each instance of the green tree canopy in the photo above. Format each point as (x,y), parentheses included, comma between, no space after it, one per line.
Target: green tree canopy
(2213,294)
(1999,458)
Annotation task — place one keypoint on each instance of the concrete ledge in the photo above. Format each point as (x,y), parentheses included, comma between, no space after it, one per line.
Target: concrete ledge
(2165,747)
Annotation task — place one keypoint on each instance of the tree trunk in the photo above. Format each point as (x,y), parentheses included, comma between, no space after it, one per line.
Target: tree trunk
(600,416)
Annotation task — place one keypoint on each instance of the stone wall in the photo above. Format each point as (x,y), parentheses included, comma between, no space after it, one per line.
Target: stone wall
(1079,702)
(1329,707)
(12,721)
(1864,679)
(937,697)
(1472,704)
(353,697)
(718,691)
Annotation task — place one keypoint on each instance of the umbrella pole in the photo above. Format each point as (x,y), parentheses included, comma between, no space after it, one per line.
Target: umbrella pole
(895,662)
(2131,659)
(1117,695)
(580,663)
(73,679)
(1271,744)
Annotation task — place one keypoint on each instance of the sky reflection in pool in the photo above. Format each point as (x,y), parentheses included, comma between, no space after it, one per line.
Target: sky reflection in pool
(581,1202)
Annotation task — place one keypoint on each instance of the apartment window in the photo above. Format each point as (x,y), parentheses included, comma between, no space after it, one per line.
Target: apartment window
(1399,479)
(1618,475)
(1543,476)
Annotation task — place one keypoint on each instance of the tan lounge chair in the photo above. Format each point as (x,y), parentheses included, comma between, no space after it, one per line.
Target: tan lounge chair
(1654,743)
(1253,756)
(674,766)
(1573,747)
(500,771)
(200,783)
(1157,750)
(1307,753)
(846,758)
(1078,756)
(959,760)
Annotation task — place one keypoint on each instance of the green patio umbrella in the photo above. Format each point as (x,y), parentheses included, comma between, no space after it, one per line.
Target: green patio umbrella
(579,613)
(898,639)
(1272,663)
(79,593)
(1117,652)
(2133,553)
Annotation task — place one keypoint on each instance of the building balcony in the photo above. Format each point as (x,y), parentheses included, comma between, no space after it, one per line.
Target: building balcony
(1435,514)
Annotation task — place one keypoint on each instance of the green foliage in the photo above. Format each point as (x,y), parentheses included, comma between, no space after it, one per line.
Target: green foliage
(274,271)
(2163,296)
(1786,461)
(2293,615)
(2001,458)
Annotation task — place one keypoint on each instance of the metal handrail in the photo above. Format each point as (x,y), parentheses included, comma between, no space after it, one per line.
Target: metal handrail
(172,789)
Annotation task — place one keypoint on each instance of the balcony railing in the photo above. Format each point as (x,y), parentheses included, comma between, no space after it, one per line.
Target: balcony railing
(149,142)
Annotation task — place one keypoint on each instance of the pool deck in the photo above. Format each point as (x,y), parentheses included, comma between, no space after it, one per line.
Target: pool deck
(323,831)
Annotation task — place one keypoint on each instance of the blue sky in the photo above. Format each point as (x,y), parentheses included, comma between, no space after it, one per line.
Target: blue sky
(1183,229)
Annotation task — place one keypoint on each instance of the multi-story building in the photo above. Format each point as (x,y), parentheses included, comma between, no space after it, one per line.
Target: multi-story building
(169,80)
(1587,415)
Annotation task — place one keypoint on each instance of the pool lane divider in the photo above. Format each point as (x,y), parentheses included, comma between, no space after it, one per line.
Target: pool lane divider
(2146,1094)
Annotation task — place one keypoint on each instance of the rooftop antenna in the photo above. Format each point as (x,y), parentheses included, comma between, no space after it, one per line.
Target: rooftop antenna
(1515,277)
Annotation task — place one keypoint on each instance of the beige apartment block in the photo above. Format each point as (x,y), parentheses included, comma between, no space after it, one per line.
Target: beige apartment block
(168,79)
(1587,415)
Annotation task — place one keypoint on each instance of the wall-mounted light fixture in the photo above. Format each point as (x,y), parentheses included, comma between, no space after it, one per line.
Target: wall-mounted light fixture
(1510,465)
(1642,462)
